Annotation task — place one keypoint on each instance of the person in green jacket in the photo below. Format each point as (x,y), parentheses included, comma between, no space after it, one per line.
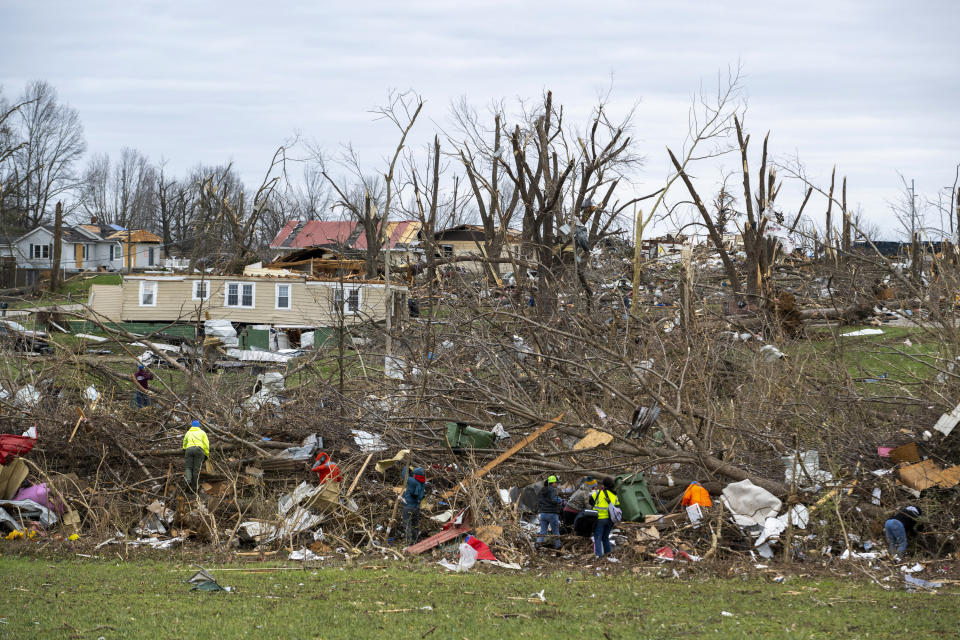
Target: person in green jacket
(197,448)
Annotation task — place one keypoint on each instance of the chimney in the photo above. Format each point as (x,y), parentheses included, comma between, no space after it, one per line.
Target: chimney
(93,219)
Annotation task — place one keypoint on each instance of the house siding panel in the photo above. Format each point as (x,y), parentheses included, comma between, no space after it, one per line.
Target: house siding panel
(311,302)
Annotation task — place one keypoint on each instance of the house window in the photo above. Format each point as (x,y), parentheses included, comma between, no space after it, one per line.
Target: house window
(283,297)
(39,251)
(447,250)
(239,295)
(352,297)
(201,290)
(150,256)
(86,252)
(148,293)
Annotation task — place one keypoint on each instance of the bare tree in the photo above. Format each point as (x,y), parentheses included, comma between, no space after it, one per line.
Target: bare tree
(551,164)
(710,122)
(402,110)
(494,204)
(44,165)
(225,218)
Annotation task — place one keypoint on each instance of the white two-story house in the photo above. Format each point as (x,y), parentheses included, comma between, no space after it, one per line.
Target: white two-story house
(89,247)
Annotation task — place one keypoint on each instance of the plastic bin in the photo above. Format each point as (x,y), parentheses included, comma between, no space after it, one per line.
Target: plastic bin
(635,499)
(461,436)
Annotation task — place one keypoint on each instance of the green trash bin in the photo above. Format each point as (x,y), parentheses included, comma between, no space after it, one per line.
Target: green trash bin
(461,436)
(635,499)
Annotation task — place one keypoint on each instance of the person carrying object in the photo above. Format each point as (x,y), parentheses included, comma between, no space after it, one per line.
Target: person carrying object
(411,504)
(899,527)
(579,501)
(196,446)
(550,505)
(601,499)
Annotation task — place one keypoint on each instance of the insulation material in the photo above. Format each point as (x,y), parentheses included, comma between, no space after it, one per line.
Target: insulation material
(383,465)
(594,438)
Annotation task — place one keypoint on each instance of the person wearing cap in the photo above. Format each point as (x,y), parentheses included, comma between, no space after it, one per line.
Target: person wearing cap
(579,501)
(142,378)
(899,527)
(549,507)
(196,446)
(601,499)
(411,504)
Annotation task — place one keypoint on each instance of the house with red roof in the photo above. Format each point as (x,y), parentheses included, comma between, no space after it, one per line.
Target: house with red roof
(346,238)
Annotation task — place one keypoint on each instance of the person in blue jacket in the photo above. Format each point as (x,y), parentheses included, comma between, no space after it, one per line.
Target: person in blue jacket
(411,504)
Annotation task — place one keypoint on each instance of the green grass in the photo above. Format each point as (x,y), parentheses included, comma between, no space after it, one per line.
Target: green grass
(57,598)
(75,289)
(874,356)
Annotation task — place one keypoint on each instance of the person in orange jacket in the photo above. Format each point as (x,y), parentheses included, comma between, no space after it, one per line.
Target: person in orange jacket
(696,494)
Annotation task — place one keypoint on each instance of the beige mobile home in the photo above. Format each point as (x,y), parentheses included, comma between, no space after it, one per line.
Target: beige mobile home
(282,301)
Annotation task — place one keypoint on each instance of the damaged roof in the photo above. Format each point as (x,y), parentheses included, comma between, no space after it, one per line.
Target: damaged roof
(302,234)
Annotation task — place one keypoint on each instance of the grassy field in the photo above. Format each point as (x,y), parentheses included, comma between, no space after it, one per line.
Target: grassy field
(75,598)
(75,289)
(875,356)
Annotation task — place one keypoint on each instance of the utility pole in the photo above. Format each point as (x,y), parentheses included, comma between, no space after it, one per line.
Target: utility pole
(916,264)
(913,208)
(387,291)
(57,246)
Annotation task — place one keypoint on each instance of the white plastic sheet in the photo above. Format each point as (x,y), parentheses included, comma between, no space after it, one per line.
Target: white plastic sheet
(249,355)
(750,505)
(468,558)
(90,394)
(368,442)
(862,332)
(224,330)
(27,396)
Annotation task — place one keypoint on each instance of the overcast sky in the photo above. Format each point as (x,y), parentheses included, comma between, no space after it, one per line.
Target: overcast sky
(872,86)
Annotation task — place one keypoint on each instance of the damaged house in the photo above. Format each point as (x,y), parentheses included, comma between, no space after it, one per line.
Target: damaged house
(263,299)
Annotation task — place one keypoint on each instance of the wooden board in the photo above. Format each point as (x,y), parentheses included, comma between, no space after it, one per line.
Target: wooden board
(922,476)
(11,477)
(906,453)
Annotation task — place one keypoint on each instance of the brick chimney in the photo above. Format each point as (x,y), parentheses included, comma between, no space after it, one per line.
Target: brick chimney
(93,219)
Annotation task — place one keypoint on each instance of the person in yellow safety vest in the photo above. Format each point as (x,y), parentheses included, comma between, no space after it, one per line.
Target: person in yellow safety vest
(600,499)
(197,448)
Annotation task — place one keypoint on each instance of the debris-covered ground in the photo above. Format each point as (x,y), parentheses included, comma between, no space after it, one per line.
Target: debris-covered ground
(808,423)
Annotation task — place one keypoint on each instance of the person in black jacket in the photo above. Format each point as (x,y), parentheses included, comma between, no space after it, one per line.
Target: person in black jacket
(550,505)
(899,527)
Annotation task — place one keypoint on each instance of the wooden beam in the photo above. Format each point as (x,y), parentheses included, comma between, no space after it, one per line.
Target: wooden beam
(353,485)
(490,466)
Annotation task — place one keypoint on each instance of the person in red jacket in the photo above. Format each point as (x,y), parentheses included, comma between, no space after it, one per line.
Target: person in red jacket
(325,469)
